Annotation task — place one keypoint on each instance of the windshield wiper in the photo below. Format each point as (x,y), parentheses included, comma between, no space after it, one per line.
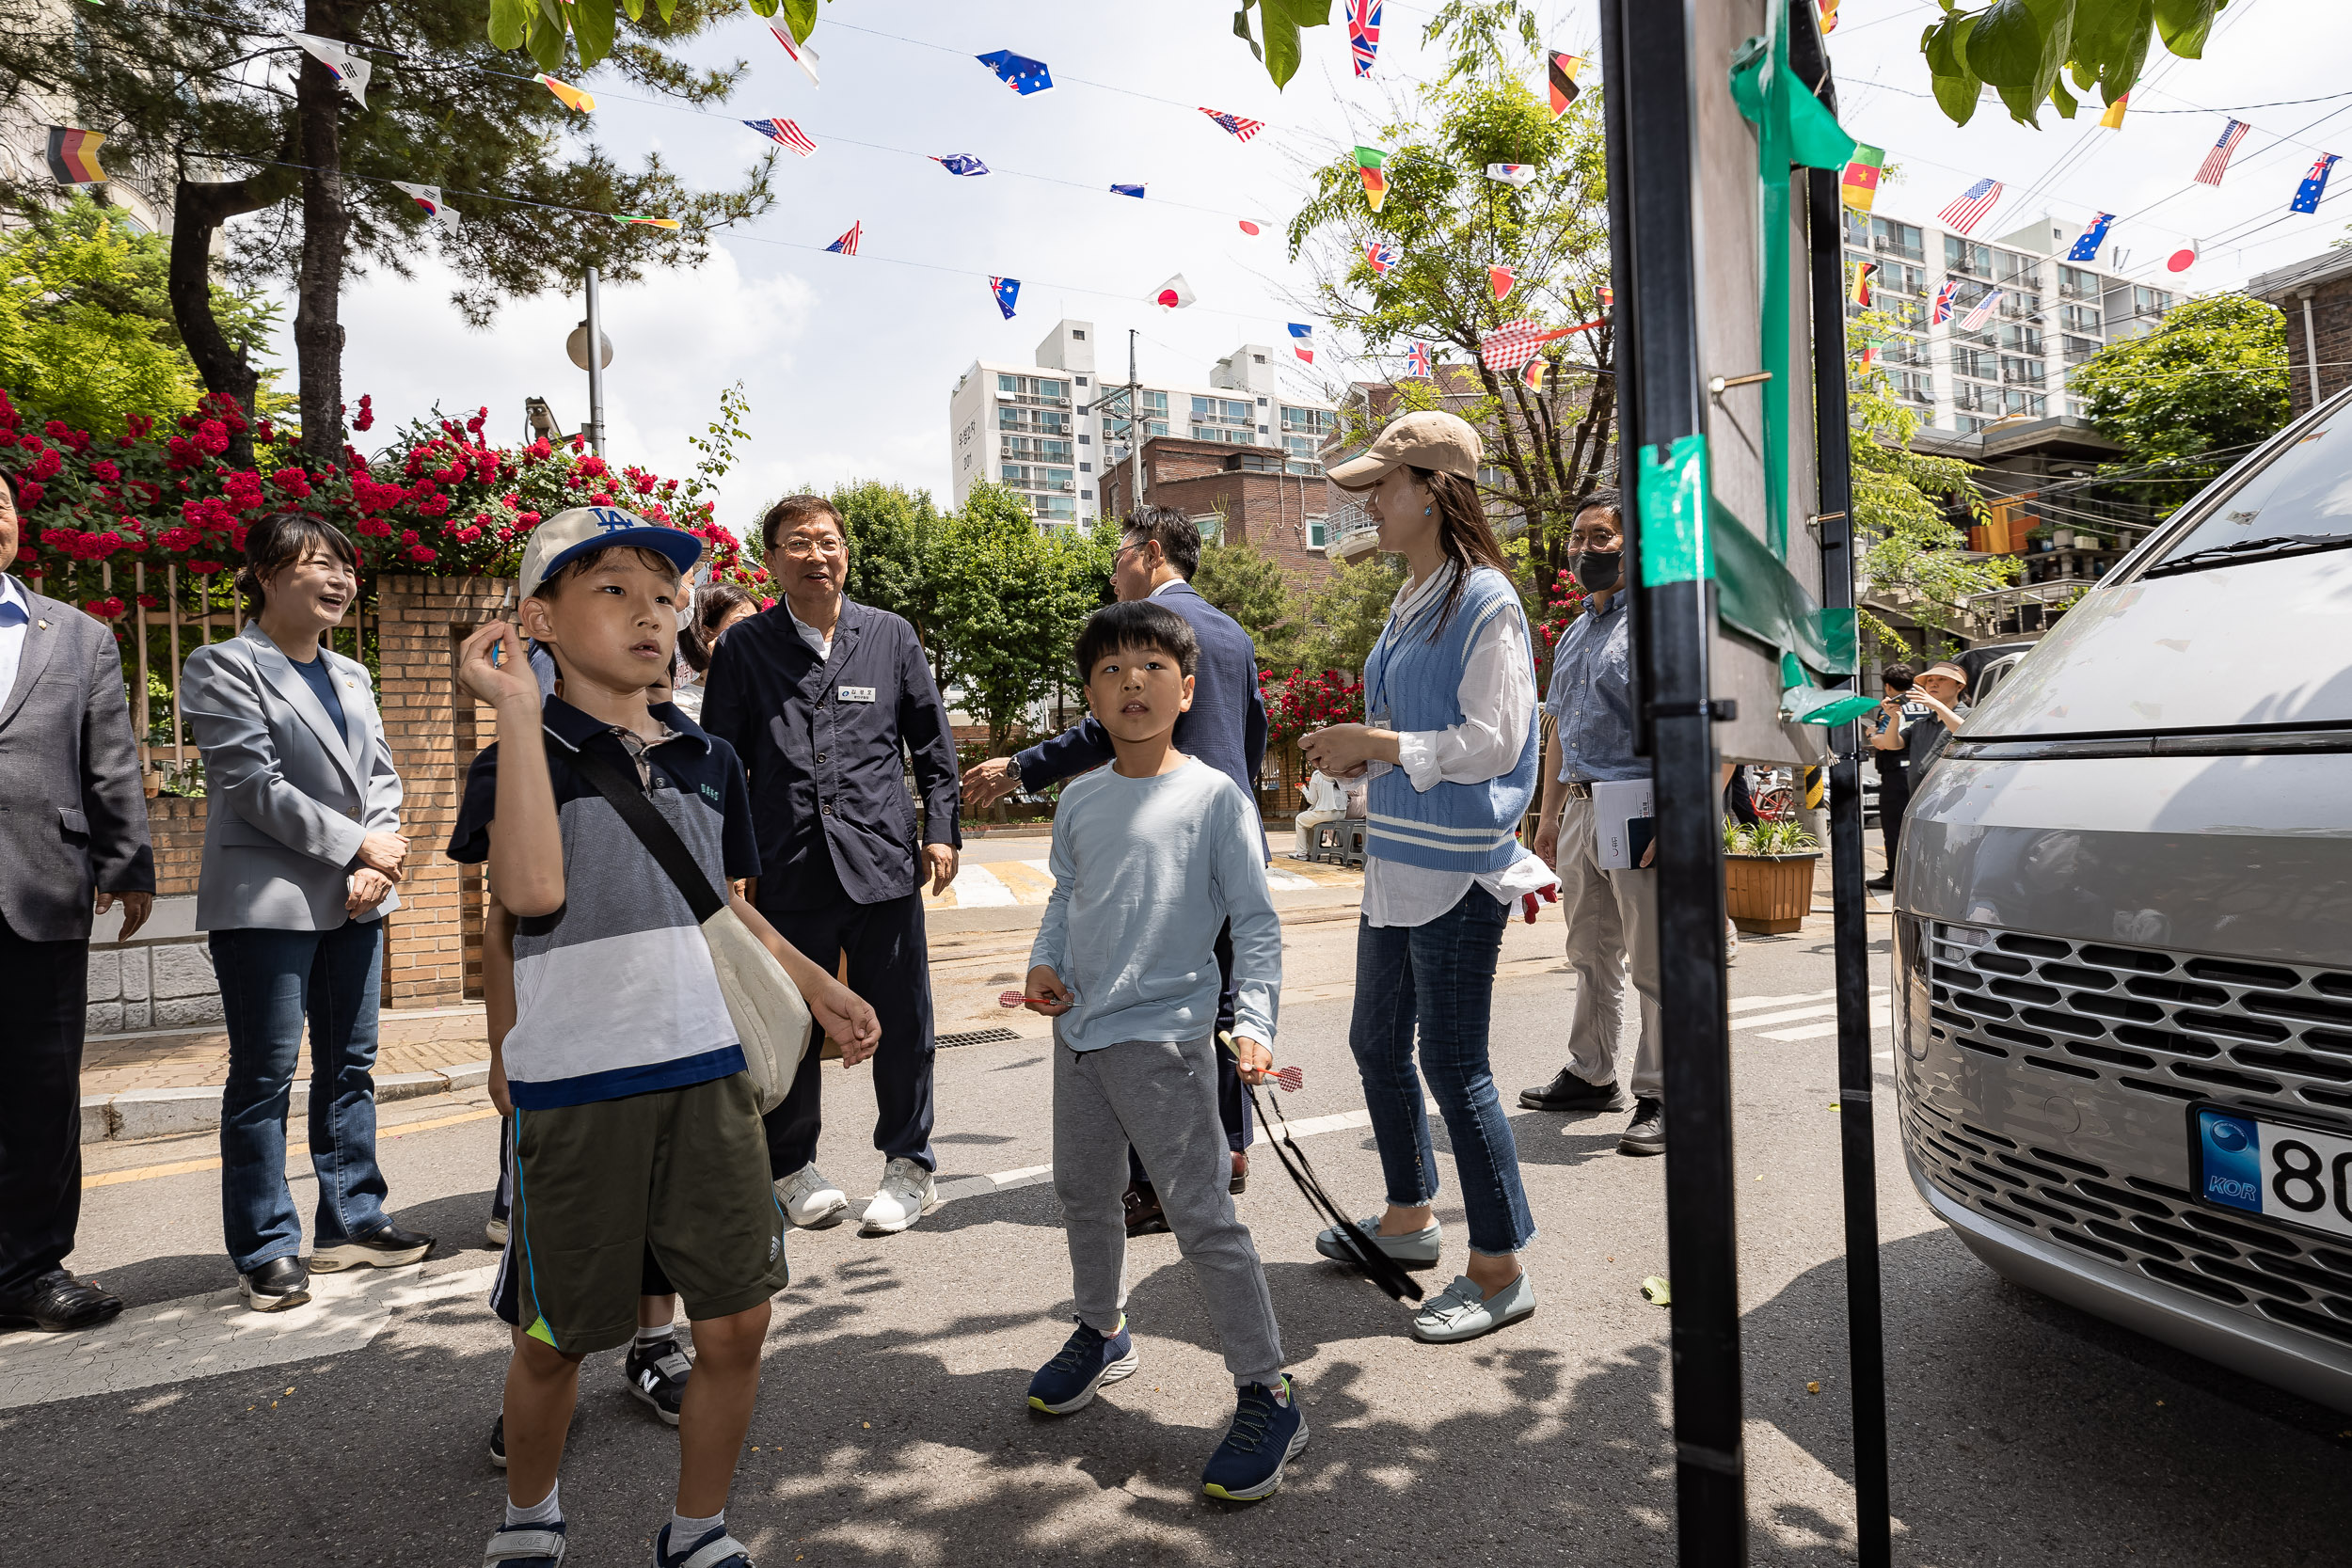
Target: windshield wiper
(2251,549)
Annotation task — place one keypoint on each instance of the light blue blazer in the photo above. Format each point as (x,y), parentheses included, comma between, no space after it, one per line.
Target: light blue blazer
(290,799)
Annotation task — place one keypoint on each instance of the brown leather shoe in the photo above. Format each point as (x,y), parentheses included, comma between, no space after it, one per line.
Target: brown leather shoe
(57,1303)
(1144,1217)
(1240,1173)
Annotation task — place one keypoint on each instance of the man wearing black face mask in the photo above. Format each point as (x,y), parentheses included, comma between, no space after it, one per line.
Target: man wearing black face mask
(1611,915)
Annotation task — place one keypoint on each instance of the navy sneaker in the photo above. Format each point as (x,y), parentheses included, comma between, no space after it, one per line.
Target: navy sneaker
(1268,1428)
(1088,1361)
(716,1549)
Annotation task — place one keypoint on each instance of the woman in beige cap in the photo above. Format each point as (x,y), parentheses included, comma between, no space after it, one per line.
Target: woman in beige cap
(1450,754)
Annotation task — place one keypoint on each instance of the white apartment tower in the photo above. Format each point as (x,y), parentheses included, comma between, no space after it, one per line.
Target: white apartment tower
(1047,430)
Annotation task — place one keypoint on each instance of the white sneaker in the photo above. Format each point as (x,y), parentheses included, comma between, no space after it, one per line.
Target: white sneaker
(494,1231)
(906,1194)
(809,1201)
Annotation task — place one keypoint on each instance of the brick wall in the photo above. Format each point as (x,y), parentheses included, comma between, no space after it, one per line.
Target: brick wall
(176,826)
(435,941)
(2331,325)
(1269,511)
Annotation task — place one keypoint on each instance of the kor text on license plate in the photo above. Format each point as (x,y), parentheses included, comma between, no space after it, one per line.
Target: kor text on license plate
(2300,1175)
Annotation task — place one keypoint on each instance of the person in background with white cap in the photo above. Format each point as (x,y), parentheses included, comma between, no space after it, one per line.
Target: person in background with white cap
(1449,748)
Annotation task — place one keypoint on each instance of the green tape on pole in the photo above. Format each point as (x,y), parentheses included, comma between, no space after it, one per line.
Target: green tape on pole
(1841,635)
(1673,500)
(1791,673)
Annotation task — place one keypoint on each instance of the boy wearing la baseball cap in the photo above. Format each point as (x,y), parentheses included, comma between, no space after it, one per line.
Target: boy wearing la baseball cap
(635,1125)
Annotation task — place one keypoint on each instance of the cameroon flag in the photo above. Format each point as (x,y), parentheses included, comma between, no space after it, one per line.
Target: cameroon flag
(74,156)
(1860,186)
(1368,162)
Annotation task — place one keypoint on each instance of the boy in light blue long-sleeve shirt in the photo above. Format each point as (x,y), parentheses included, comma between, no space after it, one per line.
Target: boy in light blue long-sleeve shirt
(1152,856)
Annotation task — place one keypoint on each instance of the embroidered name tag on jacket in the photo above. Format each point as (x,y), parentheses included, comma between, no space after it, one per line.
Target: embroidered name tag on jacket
(855,694)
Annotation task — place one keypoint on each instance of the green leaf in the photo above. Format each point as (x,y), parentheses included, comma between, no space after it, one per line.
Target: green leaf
(801,16)
(2186,24)
(546,44)
(509,21)
(665,8)
(2008,46)
(1241,31)
(1282,48)
(764,7)
(636,10)
(592,22)
(2064,102)
(2111,42)
(1958,88)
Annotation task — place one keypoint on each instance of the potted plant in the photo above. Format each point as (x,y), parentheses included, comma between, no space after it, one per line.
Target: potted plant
(1768,875)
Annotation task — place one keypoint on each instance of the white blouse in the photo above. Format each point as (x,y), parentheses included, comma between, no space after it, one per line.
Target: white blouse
(1497,697)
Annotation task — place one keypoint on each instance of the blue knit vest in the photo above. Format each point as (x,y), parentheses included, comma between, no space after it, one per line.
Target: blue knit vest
(1411,683)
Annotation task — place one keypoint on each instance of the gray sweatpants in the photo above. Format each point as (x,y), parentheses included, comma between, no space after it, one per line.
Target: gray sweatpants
(1161,1097)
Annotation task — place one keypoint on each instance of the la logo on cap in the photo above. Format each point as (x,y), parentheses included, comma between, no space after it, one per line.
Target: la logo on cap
(611,519)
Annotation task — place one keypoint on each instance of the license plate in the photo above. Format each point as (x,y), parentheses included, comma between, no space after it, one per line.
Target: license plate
(2298,1175)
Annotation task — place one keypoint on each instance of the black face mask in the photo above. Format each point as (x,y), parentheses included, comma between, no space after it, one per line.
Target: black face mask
(1597,571)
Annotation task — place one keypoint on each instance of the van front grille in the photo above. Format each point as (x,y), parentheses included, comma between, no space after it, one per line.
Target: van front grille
(2162,1024)
(2247,1263)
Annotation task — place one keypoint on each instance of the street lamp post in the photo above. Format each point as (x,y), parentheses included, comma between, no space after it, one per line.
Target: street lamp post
(591,330)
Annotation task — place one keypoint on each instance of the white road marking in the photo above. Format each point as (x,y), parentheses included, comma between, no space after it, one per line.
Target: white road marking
(1878,999)
(975,887)
(1880,1019)
(1289,881)
(1750,1004)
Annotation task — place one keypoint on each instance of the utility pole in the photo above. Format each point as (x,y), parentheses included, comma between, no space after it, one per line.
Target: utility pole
(596,367)
(1134,420)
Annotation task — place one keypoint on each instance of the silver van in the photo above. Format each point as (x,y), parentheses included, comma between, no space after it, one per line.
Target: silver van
(2123,937)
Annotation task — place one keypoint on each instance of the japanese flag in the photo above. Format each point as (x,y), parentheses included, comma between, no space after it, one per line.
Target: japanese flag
(1174,295)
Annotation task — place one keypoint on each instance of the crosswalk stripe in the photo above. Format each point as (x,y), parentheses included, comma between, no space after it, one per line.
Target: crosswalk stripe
(1880,1019)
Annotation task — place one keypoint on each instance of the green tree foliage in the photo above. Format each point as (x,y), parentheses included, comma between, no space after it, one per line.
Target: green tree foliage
(1007,599)
(896,539)
(2026,50)
(2211,378)
(1248,584)
(85,331)
(1345,615)
(1900,512)
(1548,448)
(211,112)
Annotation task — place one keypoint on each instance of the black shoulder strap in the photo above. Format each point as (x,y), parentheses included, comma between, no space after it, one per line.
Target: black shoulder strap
(652,828)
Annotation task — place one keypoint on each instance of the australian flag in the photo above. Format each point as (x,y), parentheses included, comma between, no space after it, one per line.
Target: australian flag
(2087,248)
(1364,33)
(1021,73)
(2307,194)
(1007,291)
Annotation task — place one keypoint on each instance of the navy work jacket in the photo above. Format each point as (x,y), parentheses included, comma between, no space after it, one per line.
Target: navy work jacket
(825,745)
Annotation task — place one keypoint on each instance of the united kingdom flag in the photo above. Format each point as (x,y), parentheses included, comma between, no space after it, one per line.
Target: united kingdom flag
(1417,362)
(1364,33)
(1380,256)
(1245,129)
(1944,298)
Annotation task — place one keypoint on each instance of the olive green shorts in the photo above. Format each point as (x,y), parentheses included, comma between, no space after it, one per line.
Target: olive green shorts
(679,1173)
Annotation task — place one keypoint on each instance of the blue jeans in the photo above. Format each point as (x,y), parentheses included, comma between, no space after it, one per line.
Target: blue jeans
(270,982)
(1440,977)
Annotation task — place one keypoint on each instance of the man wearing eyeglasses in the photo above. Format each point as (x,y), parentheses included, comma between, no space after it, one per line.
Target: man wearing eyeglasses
(1159,549)
(827,700)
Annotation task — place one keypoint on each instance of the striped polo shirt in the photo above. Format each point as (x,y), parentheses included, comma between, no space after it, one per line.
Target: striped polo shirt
(614,992)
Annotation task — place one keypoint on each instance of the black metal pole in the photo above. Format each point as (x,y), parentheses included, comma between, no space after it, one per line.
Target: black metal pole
(1652,152)
(1864,1330)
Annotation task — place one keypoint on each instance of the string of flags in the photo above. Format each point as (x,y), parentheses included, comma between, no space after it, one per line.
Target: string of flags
(1250,228)
(2314,185)
(651,222)
(2086,248)
(1174,295)
(786,133)
(1136,191)
(1561,77)
(1510,346)
(1858,187)
(799,54)
(847,244)
(570,97)
(1303,340)
(2181,260)
(1370,168)
(1244,128)
(1516,175)
(351,70)
(1968,210)
(1417,362)
(1021,73)
(74,156)
(1981,312)
(1944,298)
(1860,292)
(2113,119)
(1380,256)
(963,163)
(1503,279)
(2216,162)
(429,197)
(1006,290)
(1364,33)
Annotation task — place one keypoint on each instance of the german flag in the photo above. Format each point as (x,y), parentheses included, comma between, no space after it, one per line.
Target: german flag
(74,156)
(1860,292)
(1561,73)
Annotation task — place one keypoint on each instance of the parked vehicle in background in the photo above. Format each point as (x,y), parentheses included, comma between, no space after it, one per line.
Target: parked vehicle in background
(2123,937)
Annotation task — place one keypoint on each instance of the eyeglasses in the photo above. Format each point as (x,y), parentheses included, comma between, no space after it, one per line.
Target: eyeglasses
(802,547)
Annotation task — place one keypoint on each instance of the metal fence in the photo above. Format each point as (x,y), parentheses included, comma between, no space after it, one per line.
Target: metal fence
(164,615)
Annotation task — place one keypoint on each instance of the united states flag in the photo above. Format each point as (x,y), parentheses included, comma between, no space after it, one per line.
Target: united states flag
(2216,162)
(847,244)
(1364,33)
(785,132)
(1979,199)
(1982,313)
(1245,129)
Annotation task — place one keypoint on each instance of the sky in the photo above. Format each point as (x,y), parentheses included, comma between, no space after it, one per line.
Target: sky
(849,361)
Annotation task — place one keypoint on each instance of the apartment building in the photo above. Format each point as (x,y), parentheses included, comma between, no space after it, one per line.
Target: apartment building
(1051,431)
(2052,315)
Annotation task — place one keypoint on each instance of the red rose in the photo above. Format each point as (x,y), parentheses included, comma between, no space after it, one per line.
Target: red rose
(212,437)
(29,493)
(418,552)
(105,470)
(47,466)
(366,417)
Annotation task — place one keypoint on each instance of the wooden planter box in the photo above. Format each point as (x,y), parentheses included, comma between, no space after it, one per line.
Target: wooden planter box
(1768,894)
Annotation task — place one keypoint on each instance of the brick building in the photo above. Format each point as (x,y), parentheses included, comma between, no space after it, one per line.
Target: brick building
(2317,295)
(1255,495)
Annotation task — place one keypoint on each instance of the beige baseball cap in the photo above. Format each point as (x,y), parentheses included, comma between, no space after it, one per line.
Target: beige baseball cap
(556,542)
(1432,439)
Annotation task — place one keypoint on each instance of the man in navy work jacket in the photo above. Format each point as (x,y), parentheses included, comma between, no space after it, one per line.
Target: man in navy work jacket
(824,699)
(1226,728)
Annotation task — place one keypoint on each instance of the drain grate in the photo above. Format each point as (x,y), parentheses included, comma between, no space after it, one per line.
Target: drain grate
(976,1036)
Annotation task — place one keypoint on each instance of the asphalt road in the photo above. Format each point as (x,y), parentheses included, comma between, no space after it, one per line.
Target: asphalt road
(892,1429)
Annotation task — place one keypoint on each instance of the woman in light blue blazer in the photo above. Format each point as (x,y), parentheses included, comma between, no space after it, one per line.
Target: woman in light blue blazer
(302,850)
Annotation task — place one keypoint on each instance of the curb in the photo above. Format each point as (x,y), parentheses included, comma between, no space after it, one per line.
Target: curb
(175,1113)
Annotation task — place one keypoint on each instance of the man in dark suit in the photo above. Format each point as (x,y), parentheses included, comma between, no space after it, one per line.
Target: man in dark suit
(826,701)
(73,840)
(1226,727)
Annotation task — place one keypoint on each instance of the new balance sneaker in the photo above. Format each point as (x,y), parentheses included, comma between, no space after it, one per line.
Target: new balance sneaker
(1087,1361)
(494,1230)
(906,1194)
(809,1201)
(657,1374)
(1268,1428)
(716,1549)
(388,1246)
